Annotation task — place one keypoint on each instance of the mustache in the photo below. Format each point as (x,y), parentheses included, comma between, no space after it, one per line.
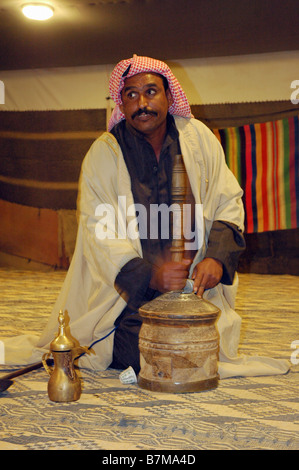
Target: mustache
(143,111)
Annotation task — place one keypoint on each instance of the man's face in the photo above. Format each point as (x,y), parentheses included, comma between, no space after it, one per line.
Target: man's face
(145,102)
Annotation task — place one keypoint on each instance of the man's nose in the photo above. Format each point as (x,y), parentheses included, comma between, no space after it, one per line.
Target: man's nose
(142,101)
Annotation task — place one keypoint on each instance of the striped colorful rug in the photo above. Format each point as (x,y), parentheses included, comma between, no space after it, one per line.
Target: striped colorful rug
(265,159)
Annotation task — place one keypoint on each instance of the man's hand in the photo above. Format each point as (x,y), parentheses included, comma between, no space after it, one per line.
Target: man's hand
(170,276)
(206,274)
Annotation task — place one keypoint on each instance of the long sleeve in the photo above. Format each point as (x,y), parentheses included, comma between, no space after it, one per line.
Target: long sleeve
(132,283)
(226,243)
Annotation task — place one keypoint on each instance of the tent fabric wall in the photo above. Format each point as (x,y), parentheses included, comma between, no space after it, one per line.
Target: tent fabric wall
(40,159)
(213,80)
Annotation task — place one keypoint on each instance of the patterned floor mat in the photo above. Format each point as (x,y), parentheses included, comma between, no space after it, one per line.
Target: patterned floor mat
(242,413)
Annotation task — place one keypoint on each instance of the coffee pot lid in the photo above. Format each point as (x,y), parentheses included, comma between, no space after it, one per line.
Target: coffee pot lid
(62,342)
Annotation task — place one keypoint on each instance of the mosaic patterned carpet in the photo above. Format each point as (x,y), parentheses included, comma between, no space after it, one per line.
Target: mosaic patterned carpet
(242,413)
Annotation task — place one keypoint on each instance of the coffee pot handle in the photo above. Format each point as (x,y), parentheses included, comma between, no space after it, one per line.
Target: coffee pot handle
(45,358)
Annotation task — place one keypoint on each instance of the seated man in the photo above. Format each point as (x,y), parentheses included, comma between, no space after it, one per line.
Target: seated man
(149,140)
(115,270)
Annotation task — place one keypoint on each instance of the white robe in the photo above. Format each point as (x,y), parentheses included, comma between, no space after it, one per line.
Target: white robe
(88,292)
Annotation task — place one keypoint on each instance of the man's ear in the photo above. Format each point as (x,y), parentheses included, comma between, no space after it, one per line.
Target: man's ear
(169,97)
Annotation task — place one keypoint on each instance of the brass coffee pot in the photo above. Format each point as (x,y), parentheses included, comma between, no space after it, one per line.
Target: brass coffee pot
(64,384)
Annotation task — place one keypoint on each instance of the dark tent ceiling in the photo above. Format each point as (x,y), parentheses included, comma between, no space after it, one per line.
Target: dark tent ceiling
(85,32)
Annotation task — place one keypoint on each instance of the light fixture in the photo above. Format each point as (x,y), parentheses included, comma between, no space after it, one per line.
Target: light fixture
(38,11)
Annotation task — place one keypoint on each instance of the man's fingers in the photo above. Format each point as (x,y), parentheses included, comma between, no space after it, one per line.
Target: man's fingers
(187,262)
(171,276)
(200,291)
(183,266)
(207,274)
(199,285)
(198,278)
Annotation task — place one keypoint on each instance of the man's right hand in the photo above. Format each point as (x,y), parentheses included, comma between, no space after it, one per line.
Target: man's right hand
(170,276)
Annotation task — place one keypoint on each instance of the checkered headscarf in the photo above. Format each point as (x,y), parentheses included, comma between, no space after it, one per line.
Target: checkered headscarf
(138,64)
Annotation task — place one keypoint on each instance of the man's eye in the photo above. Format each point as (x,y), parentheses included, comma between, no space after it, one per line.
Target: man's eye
(131,95)
(151,91)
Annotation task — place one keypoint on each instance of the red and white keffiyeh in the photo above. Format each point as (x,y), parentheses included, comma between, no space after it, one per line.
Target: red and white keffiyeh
(139,64)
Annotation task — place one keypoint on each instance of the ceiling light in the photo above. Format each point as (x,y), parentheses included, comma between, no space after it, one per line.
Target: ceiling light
(38,11)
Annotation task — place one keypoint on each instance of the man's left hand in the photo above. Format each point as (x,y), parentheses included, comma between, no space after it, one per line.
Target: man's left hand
(206,274)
